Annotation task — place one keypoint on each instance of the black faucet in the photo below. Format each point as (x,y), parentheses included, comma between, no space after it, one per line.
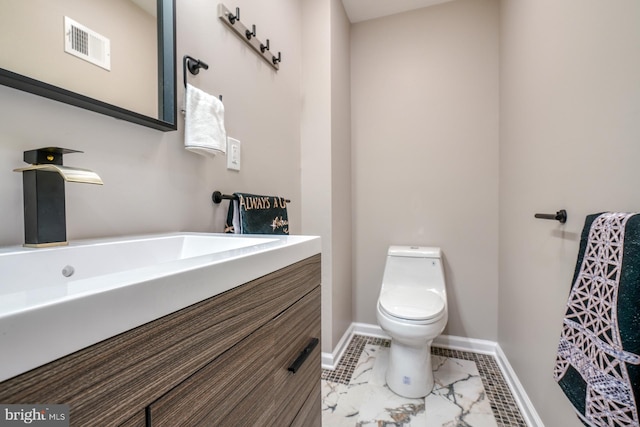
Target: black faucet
(43,192)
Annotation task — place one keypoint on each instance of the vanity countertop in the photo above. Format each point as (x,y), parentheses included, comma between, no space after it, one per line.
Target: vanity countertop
(55,301)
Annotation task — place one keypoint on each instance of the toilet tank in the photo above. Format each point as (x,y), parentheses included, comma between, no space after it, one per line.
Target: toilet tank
(409,266)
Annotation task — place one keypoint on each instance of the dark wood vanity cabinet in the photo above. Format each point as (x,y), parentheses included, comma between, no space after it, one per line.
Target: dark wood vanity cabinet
(221,362)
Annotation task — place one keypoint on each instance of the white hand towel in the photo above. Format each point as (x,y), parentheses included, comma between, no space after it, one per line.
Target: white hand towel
(204,131)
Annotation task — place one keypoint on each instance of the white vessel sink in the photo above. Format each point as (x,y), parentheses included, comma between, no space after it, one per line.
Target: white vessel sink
(55,301)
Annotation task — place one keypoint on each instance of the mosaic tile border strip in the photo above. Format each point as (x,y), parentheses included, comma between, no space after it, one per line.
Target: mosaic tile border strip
(505,409)
(343,372)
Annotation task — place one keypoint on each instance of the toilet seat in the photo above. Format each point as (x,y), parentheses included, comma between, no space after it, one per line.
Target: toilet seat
(412,304)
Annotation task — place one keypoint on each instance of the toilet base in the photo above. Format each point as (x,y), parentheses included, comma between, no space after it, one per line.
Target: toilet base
(410,372)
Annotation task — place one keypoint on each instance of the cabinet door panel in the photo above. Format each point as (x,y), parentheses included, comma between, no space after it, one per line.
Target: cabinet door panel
(208,396)
(295,328)
(310,415)
(138,420)
(255,410)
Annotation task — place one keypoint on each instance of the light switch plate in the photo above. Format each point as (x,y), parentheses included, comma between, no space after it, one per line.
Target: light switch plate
(233,154)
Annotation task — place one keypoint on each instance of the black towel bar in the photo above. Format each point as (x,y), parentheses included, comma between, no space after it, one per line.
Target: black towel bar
(561,216)
(193,65)
(218,197)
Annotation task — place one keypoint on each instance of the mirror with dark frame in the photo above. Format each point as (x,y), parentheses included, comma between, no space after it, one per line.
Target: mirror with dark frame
(114,57)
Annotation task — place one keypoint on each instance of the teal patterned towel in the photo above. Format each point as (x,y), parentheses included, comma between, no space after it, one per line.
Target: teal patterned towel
(598,361)
(255,214)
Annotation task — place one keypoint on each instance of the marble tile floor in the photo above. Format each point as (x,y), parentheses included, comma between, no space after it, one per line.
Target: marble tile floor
(469,392)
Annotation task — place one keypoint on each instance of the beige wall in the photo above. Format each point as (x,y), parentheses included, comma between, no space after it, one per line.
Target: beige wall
(315,133)
(152,184)
(326,156)
(341,216)
(32,44)
(569,138)
(425,153)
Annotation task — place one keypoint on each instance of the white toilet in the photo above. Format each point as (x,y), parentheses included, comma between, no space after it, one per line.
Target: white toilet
(412,309)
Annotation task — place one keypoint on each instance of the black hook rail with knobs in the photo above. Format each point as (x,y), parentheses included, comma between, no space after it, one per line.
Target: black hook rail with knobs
(561,216)
(218,197)
(233,22)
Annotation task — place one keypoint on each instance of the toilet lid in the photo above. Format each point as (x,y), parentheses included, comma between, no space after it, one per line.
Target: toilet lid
(411,303)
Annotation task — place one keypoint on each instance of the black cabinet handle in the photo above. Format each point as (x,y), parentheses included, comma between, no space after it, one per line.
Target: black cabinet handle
(303,355)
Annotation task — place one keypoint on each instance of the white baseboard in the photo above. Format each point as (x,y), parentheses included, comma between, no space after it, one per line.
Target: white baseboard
(369,330)
(331,360)
(451,342)
(519,394)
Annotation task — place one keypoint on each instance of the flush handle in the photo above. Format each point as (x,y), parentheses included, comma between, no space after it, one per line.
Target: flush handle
(295,366)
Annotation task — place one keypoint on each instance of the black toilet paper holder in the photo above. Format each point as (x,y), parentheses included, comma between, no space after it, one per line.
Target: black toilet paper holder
(561,216)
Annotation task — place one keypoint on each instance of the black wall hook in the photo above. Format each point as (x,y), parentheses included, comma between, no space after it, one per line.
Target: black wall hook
(277,59)
(233,18)
(561,216)
(252,33)
(264,47)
